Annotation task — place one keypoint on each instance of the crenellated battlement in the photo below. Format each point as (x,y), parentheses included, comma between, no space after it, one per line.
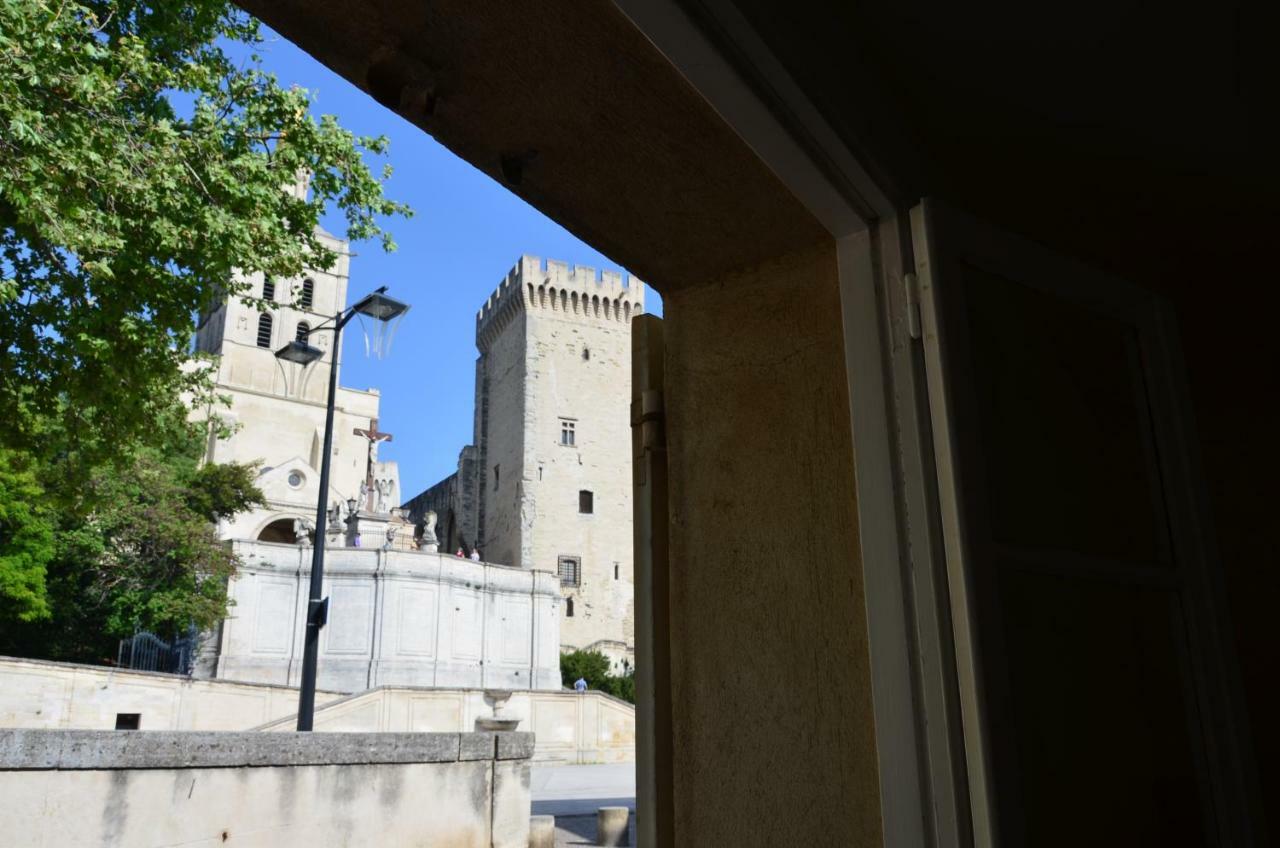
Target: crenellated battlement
(569,291)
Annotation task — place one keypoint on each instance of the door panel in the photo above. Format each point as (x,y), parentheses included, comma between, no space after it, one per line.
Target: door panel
(1074,602)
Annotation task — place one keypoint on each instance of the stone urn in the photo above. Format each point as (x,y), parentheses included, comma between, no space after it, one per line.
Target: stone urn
(497,699)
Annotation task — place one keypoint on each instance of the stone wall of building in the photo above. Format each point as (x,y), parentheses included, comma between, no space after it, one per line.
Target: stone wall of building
(395,618)
(552,442)
(453,500)
(277,409)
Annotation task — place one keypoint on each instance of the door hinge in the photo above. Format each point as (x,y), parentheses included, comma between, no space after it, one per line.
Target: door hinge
(911,287)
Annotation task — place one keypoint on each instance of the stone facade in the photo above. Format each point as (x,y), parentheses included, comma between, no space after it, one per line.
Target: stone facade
(453,500)
(395,618)
(277,408)
(552,463)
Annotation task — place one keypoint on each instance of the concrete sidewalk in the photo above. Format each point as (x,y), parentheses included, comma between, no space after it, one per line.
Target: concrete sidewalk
(573,794)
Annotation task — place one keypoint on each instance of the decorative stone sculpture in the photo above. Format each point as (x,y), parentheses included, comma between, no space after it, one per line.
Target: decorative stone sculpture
(382,487)
(429,543)
(392,529)
(302,531)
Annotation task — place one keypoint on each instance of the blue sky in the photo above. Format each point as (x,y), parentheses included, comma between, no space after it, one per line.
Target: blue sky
(467,232)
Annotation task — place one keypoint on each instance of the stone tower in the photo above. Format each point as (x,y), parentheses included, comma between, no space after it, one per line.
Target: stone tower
(547,483)
(277,409)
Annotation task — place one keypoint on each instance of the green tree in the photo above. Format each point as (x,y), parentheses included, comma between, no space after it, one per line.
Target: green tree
(135,548)
(591,666)
(141,178)
(595,668)
(26,540)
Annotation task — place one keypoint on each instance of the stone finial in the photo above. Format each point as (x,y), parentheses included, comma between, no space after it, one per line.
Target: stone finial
(429,543)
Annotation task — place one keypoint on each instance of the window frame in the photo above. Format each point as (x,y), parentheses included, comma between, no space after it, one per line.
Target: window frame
(561,562)
(568,432)
(266,324)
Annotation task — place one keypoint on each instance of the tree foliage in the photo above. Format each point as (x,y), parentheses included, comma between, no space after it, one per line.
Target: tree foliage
(26,540)
(141,177)
(142,552)
(595,668)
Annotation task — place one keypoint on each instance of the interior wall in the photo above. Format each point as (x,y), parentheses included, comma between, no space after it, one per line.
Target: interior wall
(770,670)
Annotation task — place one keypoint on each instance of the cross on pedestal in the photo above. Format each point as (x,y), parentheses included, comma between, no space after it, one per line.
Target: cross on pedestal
(373,435)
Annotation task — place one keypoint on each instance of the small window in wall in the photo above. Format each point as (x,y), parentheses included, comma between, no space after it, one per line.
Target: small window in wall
(570,571)
(497,476)
(586,502)
(264,330)
(268,289)
(568,432)
(304,329)
(308,293)
(568,607)
(615,571)
(586,354)
(128,721)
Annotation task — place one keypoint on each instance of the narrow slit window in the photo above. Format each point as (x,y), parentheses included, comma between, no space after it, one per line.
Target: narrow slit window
(586,502)
(497,476)
(568,432)
(264,330)
(568,607)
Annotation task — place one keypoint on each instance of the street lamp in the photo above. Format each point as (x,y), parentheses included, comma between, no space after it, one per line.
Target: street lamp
(380,307)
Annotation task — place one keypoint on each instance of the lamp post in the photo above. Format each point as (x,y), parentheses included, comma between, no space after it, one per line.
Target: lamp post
(381,308)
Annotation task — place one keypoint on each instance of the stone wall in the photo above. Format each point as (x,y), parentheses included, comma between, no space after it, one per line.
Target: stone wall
(568,727)
(395,617)
(104,788)
(453,500)
(49,695)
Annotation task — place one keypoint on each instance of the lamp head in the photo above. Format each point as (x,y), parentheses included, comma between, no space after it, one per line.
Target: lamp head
(299,352)
(381,307)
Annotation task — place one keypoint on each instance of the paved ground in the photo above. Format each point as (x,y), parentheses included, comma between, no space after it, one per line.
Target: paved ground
(573,794)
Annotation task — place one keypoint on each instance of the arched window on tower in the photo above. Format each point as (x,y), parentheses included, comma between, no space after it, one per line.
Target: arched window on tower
(268,289)
(303,330)
(264,330)
(308,293)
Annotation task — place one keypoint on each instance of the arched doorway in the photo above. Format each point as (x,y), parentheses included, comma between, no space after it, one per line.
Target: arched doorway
(280,530)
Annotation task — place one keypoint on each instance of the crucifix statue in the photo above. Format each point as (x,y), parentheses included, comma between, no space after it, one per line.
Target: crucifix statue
(373,435)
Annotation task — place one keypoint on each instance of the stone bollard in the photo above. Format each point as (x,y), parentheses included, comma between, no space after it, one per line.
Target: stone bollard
(542,832)
(612,825)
